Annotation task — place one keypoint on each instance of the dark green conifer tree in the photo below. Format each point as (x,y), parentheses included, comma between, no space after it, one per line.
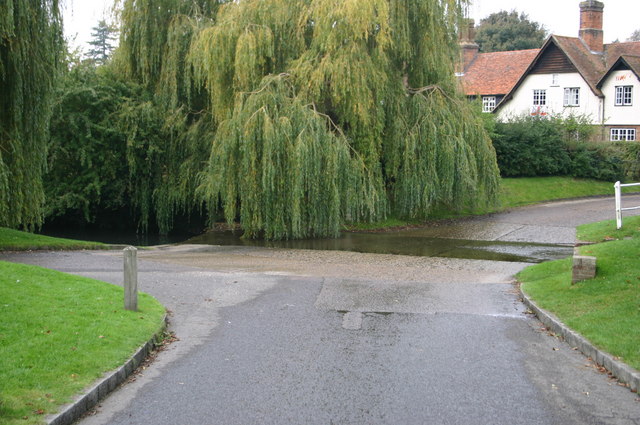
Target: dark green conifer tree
(102,41)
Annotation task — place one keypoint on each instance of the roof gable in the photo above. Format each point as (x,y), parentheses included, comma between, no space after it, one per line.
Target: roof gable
(569,52)
(624,63)
(553,60)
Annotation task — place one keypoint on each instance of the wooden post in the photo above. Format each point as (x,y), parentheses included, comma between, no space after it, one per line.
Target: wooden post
(131,278)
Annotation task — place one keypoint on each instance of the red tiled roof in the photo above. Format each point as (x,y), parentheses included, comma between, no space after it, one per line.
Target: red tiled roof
(496,73)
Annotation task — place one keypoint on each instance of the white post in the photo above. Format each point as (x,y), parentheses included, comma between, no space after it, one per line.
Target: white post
(616,186)
(131,278)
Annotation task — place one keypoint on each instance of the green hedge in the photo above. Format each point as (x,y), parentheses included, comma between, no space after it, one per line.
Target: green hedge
(532,146)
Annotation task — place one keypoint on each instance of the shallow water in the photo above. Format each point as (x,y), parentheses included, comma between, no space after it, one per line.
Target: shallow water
(405,243)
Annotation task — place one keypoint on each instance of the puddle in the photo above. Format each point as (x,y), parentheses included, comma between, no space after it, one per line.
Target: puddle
(405,243)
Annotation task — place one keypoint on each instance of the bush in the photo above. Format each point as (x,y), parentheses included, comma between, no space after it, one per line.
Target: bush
(596,161)
(557,146)
(531,146)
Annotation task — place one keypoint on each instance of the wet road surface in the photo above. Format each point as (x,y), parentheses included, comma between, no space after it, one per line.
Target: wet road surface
(275,336)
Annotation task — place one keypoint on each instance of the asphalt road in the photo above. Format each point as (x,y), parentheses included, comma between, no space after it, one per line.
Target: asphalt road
(273,336)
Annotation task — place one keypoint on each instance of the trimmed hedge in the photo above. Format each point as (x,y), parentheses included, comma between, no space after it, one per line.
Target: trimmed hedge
(532,146)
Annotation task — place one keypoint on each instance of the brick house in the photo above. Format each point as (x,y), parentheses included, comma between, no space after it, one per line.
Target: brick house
(578,76)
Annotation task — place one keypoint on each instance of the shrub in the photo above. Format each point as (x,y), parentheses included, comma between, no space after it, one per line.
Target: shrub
(562,146)
(531,146)
(596,160)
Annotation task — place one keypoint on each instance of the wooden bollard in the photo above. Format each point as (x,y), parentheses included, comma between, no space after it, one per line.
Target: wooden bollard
(131,278)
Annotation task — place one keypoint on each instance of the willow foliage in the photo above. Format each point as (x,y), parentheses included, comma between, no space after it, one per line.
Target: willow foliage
(367,121)
(280,167)
(169,127)
(30,51)
(440,157)
(147,27)
(249,41)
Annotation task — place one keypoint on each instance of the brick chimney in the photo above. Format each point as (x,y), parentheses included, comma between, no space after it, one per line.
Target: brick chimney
(591,25)
(468,48)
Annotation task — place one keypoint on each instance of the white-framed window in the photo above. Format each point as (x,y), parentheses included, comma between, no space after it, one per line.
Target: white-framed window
(571,96)
(488,103)
(555,80)
(624,95)
(625,134)
(539,97)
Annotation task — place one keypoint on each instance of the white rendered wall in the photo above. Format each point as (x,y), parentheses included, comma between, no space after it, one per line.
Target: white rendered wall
(522,101)
(621,115)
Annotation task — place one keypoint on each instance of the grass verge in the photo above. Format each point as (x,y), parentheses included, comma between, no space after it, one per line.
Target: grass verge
(606,309)
(58,334)
(15,240)
(517,192)
(514,192)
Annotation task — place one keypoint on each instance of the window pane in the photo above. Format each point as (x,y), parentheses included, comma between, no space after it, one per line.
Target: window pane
(488,103)
(619,95)
(627,95)
(571,96)
(624,95)
(614,135)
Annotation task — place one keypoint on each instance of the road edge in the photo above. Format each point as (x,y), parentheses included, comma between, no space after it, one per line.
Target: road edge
(623,372)
(71,412)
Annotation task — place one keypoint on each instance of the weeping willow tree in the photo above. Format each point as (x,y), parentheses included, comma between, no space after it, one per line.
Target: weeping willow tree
(379,73)
(156,36)
(30,50)
(278,151)
(318,112)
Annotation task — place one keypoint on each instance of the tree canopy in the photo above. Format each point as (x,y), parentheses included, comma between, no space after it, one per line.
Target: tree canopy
(102,41)
(503,31)
(31,47)
(635,36)
(313,113)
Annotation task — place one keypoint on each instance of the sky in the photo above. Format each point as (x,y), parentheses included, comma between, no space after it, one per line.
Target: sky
(560,17)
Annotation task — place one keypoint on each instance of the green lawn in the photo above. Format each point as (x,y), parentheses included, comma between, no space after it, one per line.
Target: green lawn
(15,240)
(532,190)
(514,192)
(606,309)
(58,334)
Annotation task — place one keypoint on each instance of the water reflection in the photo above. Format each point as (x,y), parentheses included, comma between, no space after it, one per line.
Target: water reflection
(403,243)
